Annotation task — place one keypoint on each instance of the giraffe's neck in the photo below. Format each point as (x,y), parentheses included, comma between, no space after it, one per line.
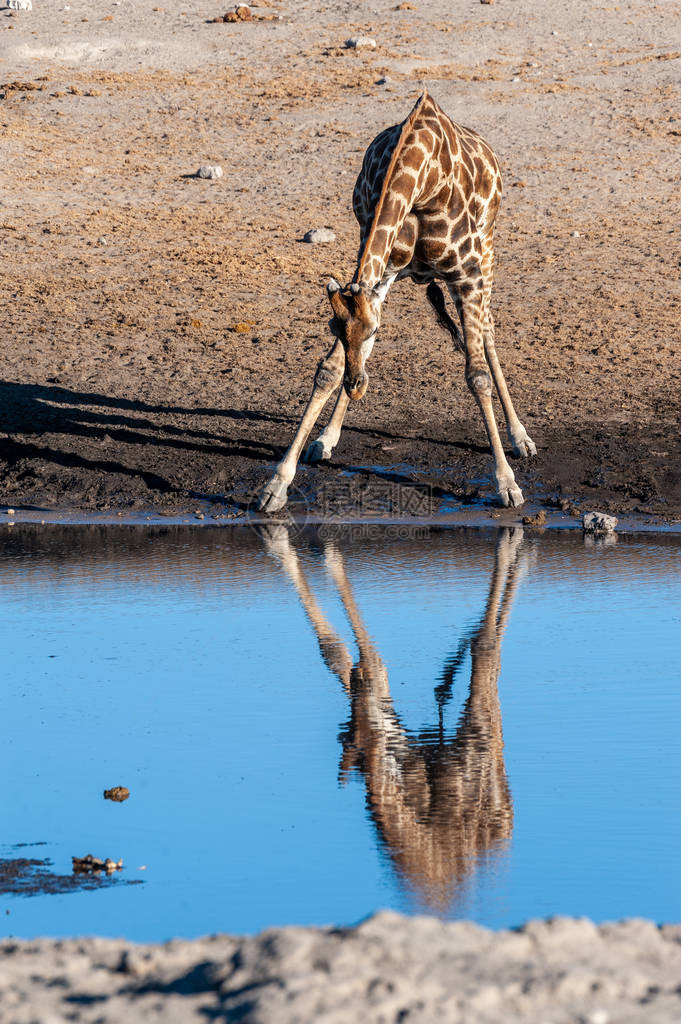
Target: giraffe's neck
(388,217)
(409,172)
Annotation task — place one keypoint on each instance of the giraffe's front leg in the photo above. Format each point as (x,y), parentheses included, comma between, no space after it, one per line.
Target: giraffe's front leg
(328,377)
(328,439)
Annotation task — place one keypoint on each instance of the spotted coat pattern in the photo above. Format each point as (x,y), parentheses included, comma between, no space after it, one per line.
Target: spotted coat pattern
(426,199)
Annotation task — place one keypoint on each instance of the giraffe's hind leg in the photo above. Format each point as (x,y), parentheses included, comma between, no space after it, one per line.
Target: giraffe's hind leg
(468,297)
(521,442)
(328,439)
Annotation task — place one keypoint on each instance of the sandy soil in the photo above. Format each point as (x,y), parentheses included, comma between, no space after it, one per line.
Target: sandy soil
(389,969)
(160,332)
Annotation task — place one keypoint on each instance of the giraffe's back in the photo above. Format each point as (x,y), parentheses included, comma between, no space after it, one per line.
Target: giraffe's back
(438,183)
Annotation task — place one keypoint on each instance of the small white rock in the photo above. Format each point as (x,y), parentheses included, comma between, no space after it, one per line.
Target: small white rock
(575,234)
(360,43)
(598,522)
(19,5)
(211,171)
(317,235)
(101,241)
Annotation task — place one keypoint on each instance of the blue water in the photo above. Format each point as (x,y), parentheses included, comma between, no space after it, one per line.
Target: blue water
(183,664)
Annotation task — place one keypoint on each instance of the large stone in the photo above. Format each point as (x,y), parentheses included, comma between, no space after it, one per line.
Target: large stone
(598,522)
(317,235)
(211,171)
(360,43)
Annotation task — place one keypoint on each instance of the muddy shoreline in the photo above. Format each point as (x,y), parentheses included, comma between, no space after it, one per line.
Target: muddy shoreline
(297,520)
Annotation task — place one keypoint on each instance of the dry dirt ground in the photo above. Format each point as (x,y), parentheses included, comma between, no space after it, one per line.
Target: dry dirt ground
(389,970)
(159,333)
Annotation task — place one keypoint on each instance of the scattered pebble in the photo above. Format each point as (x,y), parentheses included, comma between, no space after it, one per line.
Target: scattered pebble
(19,5)
(575,234)
(211,171)
(406,6)
(101,240)
(598,522)
(486,1)
(317,235)
(240,13)
(384,81)
(538,520)
(360,43)
(117,793)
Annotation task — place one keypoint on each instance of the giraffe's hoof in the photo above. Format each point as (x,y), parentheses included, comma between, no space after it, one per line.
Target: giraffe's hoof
(273,496)
(317,452)
(510,495)
(523,446)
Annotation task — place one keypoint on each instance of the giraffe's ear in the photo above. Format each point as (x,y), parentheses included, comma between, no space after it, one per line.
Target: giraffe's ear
(338,303)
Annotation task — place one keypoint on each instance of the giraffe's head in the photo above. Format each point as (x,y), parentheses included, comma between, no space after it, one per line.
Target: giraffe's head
(356,318)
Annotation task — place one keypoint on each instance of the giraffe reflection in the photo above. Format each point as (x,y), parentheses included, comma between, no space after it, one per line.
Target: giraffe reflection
(440,802)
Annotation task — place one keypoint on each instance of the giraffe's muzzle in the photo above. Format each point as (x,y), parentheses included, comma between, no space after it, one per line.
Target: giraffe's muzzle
(355,385)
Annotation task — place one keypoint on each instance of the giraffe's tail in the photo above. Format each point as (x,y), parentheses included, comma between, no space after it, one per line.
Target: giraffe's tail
(435,296)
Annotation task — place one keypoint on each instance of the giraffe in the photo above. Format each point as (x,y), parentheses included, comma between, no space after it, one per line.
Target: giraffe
(439,802)
(426,199)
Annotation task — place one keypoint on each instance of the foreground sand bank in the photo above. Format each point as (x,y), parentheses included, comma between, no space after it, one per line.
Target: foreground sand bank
(387,969)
